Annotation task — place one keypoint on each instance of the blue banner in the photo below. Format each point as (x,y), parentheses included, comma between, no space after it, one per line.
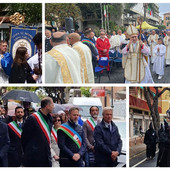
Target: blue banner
(22,37)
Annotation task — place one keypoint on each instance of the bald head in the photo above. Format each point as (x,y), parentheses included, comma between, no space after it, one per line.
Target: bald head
(58,38)
(73,38)
(168,33)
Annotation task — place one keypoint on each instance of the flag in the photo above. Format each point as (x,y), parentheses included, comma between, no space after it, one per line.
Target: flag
(150,12)
(105,11)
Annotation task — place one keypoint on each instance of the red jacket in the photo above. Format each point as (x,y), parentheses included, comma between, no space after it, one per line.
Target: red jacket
(101,45)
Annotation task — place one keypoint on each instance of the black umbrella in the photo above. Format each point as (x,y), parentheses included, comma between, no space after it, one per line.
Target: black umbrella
(21,95)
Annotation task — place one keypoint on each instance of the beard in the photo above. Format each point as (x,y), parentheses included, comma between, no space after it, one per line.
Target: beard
(95,116)
(19,117)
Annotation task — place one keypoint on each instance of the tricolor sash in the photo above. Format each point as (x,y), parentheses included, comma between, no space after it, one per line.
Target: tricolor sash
(54,133)
(72,134)
(43,125)
(14,126)
(91,123)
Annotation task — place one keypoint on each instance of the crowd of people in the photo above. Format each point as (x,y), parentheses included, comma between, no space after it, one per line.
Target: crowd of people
(162,138)
(23,68)
(76,60)
(45,139)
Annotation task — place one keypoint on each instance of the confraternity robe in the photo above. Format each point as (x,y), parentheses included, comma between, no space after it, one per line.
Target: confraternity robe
(152,45)
(167,44)
(87,74)
(136,69)
(6,61)
(158,65)
(62,65)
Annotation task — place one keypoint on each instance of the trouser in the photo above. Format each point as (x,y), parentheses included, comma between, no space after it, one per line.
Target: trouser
(66,162)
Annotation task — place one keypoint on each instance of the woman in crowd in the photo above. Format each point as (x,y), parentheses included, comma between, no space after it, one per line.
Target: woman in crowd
(54,146)
(21,71)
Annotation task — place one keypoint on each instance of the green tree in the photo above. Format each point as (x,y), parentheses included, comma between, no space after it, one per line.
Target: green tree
(85,91)
(59,11)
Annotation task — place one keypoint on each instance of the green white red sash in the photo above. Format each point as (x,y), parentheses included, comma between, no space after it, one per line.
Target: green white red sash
(43,125)
(91,123)
(72,134)
(17,130)
(54,133)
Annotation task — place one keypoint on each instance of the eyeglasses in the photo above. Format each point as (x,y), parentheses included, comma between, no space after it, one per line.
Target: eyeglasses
(58,120)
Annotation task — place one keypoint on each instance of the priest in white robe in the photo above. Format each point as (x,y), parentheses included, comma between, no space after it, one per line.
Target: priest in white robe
(136,69)
(167,44)
(158,65)
(153,41)
(85,55)
(62,63)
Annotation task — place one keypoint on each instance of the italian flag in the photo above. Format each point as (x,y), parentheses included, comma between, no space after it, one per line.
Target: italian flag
(150,12)
(105,11)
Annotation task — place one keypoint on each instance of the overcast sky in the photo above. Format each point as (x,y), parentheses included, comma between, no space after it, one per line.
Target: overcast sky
(163,8)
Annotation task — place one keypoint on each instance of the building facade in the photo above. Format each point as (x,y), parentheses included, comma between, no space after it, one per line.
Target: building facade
(166,21)
(139,113)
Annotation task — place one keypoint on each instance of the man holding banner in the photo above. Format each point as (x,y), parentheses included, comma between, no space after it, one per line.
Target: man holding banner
(71,141)
(6,61)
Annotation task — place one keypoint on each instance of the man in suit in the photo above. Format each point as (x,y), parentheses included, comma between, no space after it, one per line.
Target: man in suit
(108,143)
(71,141)
(3,116)
(15,153)
(36,136)
(88,128)
(4,144)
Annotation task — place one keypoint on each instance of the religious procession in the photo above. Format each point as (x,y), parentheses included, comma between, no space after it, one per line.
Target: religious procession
(40,129)
(99,46)
(149,129)
(20,43)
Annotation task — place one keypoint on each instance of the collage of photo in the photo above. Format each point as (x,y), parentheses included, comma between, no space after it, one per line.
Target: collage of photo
(84,84)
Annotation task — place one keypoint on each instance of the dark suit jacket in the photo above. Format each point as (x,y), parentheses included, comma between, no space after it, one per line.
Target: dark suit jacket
(106,141)
(4,144)
(48,46)
(68,147)
(15,152)
(35,145)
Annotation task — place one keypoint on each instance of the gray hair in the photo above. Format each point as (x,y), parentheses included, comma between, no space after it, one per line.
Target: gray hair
(59,39)
(107,108)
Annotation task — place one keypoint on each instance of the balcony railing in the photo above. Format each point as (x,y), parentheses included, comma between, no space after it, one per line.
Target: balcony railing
(140,104)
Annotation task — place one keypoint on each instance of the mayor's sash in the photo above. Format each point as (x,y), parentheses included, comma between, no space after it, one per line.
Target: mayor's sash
(91,123)
(43,125)
(54,133)
(17,130)
(88,41)
(72,134)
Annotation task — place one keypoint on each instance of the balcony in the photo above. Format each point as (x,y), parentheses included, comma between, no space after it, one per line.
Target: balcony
(140,104)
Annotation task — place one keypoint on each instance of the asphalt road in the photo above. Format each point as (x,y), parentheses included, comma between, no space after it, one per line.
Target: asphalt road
(117,75)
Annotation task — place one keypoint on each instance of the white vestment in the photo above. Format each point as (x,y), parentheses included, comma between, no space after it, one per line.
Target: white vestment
(33,63)
(3,76)
(167,44)
(147,55)
(132,69)
(153,44)
(86,62)
(117,39)
(158,65)
(111,40)
(62,65)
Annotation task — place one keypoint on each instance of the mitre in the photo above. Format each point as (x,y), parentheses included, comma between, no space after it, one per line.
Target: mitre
(132,30)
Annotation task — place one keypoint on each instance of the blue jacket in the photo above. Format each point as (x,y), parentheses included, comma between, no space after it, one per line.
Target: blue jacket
(106,142)
(4,144)
(6,63)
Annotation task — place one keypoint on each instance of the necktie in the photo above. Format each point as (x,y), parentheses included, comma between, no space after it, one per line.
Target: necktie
(109,127)
(20,125)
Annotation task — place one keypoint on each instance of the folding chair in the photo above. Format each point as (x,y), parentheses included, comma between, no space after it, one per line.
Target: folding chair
(103,61)
(118,59)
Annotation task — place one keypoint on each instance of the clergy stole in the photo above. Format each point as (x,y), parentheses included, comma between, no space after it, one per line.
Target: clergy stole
(135,66)
(167,44)
(84,76)
(59,57)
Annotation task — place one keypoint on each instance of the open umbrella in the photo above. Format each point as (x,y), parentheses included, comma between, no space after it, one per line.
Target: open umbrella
(146,26)
(21,95)
(11,108)
(57,108)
